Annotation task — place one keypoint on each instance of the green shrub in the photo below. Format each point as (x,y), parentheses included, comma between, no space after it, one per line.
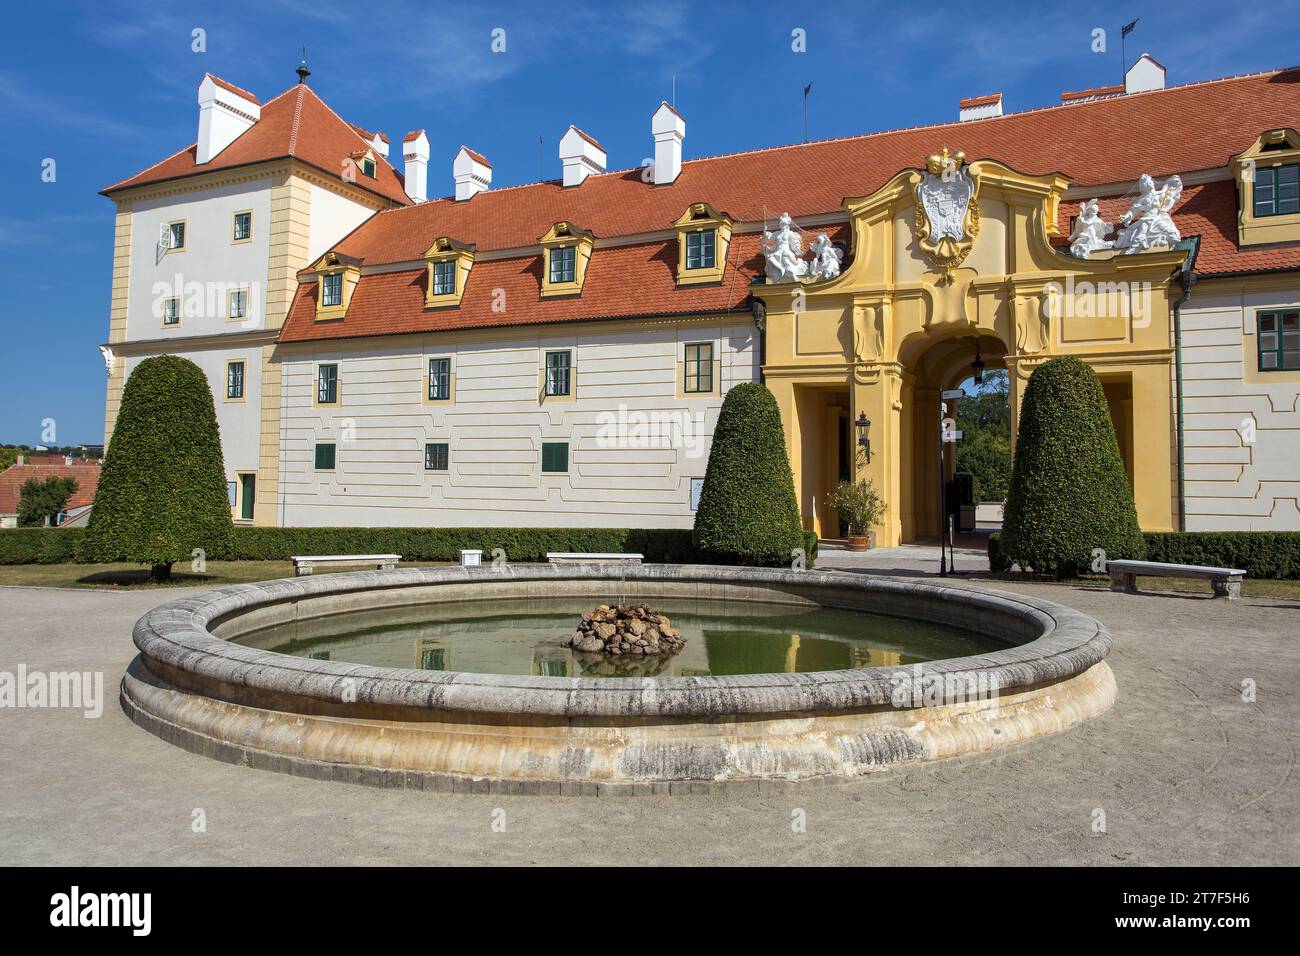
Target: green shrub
(747,512)
(163,489)
(810,548)
(1069,494)
(998,562)
(40,545)
(1263,554)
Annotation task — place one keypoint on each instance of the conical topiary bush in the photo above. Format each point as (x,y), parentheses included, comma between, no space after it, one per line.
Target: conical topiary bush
(163,489)
(1069,494)
(747,512)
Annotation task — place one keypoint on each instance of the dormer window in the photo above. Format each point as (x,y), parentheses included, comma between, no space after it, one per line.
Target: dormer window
(566,250)
(703,235)
(368,167)
(337,276)
(1268,187)
(331,289)
(563,260)
(447,267)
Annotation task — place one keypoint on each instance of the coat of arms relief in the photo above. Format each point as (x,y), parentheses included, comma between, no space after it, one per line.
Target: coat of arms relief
(947,212)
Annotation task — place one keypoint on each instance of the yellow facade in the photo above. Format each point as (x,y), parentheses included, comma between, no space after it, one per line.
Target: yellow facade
(896,328)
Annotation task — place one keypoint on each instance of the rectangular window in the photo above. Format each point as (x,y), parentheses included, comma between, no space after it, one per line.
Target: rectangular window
(557,373)
(699,367)
(435,456)
(555,457)
(234,380)
(243,228)
(444,277)
(176,235)
(332,289)
(238,303)
(439,380)
(1277,190)
(247,496)
(325,456)
(172,311)
(368,167)
(562,264)
(699,249)
(1279,341)
(327,384)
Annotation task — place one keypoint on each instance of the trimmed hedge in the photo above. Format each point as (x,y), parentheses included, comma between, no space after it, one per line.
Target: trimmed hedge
(40,545)
(662,545)
(1069,494)
(1263,554)
(748,513)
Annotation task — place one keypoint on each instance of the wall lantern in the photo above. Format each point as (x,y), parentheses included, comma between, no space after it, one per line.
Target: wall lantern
(977,366)
(863,425)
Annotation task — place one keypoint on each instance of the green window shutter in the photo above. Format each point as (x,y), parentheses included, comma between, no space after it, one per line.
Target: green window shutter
(555,456)
(325,456)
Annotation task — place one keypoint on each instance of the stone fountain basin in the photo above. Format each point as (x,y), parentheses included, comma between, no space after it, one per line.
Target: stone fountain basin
(449,731)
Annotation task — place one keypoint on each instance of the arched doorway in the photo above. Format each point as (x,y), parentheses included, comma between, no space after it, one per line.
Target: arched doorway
(933,365)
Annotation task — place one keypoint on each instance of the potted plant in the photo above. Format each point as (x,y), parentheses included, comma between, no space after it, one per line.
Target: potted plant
(861,507)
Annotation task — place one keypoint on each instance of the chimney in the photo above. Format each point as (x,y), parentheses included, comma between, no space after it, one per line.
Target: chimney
(581,156)
(380,145)
(225,111)
(669,130)
(1144,75)
(22,459)
(473,173)
(415,150)
(980,107)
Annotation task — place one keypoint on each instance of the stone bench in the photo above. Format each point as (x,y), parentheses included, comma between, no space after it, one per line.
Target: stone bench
(1226,582)
(303,564)
(578,557)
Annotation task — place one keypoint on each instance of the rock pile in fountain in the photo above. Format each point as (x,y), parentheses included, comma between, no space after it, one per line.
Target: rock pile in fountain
(633,629)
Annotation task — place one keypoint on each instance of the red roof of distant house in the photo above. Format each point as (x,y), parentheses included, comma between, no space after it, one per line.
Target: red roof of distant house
(1094,143)
(14,477)
(987,99)
(296,124)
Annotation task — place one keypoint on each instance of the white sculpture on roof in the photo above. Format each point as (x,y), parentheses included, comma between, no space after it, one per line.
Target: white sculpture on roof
(783,249)
(826,257)
(1148,223)
(1090,231)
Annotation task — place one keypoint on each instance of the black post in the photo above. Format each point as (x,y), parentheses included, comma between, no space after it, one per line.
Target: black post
(943,555)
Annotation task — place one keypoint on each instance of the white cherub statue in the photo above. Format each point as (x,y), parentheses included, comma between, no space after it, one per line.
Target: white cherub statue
(826,257)
(783,249)
(1090,231)
(1147,224)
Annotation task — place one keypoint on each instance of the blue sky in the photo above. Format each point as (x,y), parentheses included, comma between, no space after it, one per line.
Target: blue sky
(108,88)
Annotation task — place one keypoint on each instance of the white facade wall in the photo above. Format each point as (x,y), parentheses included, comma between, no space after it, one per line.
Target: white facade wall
(624,470)
(333,216)
(210,264)
(1241,426)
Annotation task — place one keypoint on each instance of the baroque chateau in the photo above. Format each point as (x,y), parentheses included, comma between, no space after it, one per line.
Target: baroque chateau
(556,354)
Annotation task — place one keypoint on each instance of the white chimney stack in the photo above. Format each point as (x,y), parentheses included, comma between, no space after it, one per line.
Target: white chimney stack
(415,150)
(581,155)
(380,145)
(1144,75)
(669,130)
(472,172)
(980,107)
(225,112)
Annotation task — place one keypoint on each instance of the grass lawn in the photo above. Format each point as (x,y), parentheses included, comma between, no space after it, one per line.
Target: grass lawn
(1250,587)
(135,576)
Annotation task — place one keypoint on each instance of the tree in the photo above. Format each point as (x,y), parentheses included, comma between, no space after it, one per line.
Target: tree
(984,451)
(747,512)
(1069,493)
(39,499)
(163,488)
(9,455)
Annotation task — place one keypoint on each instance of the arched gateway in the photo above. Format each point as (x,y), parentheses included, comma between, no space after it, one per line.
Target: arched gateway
(942,263)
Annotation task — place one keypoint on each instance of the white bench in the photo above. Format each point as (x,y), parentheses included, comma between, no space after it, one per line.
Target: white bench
(303,564)
(1226,582)
(578,557)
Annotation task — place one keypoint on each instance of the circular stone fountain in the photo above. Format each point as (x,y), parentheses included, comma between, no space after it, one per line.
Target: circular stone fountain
(194,685)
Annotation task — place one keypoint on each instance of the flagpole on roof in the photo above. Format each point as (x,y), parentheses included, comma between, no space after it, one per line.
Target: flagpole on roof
(806,90)
(1123,50)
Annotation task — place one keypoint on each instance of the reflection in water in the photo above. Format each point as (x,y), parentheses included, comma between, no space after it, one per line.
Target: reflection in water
(527,637)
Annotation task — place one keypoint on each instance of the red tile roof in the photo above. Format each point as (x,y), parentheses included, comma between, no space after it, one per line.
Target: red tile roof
(1115,90)
(296,124)
(1095,143)
(14,477)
